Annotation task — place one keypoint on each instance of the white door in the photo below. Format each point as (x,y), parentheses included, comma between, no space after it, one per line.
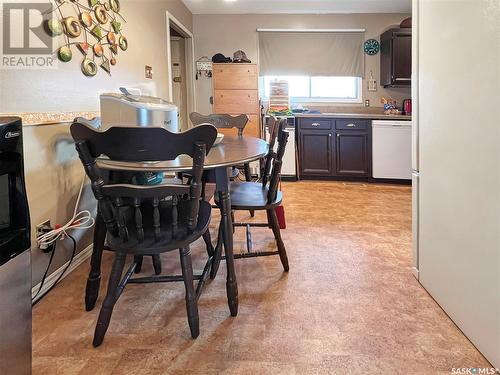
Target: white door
(459,142)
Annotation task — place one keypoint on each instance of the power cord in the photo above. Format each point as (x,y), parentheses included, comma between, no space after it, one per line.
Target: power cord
(46,273)
(34,299)
(80,220)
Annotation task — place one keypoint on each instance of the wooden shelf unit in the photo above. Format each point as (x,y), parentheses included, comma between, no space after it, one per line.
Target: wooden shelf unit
(236,92)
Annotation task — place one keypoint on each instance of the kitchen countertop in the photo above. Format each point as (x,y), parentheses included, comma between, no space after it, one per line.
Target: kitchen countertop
(371,116)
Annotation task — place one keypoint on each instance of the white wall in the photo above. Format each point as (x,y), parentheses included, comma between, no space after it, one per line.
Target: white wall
(459,128)
(66,89)
(53,170)
(229,33)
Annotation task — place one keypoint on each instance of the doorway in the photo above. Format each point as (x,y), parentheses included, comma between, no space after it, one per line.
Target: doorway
(178,78)
(180,51)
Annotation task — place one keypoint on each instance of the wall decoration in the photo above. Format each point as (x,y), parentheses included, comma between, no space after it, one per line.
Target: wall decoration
(372,46)
(92,27)
(204,67)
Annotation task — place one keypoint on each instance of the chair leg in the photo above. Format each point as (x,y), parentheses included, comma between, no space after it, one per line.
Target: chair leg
(227,226)
(157,264)
(248,178)
(110,300)
(277,234)
(138,261)
(248,175)
(208,242)
(191,300)
(217,253)
(232,220)
(94,279)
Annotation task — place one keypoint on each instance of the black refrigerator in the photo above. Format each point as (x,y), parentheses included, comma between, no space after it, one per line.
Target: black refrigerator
(15,255)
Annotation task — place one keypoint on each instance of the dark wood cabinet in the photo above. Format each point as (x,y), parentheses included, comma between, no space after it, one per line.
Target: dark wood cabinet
(334,148)
(395,58)
(316,153)
(352,154)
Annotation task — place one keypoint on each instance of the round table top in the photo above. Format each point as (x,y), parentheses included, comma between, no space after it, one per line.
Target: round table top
(232,151)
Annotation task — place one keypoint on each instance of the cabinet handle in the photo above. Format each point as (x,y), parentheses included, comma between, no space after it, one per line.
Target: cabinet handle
(351,125)
(315,124)
(330,135)
(338,135)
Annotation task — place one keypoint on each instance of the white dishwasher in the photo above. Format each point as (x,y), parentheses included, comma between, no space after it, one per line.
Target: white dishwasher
(391,149)
(289,166)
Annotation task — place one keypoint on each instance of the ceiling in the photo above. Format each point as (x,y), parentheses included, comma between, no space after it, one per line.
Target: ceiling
(297,6)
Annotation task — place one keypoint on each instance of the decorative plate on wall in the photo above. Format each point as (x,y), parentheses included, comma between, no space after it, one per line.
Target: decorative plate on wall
(372,46)
(93,27)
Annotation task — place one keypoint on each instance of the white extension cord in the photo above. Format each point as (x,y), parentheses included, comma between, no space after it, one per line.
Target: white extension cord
(80,220)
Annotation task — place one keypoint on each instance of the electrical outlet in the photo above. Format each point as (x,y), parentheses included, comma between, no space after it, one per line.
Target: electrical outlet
(43,228)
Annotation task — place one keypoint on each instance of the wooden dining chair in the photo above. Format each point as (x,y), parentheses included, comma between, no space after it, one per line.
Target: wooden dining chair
(264,195)
(220,121)
(148,220)
(224,121)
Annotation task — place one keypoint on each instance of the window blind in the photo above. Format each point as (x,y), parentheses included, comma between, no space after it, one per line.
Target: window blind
(308,53)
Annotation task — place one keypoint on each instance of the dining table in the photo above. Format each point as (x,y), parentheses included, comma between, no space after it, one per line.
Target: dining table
(233,150)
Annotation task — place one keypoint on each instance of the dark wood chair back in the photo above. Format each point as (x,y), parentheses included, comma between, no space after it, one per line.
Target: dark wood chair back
(138,145)
(220,121)
(274,126)
(278,161)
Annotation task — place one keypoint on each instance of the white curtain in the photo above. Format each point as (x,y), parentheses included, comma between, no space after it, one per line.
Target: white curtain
(311,53)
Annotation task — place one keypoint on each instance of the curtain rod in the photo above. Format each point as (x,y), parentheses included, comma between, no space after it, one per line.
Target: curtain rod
(312,30)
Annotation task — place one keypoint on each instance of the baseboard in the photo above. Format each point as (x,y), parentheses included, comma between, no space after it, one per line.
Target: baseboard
(51,279)
(415,272)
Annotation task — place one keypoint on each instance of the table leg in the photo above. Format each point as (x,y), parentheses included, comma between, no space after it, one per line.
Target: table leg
(222,182)
(94,279)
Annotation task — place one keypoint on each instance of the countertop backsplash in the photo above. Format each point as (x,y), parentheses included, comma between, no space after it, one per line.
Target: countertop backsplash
(46,118)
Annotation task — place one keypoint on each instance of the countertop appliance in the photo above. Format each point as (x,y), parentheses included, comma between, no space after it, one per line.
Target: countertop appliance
(15,259)
(289,167)
(126,109)
(392,149)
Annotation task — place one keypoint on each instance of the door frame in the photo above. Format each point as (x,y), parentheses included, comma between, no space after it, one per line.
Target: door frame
(174,23)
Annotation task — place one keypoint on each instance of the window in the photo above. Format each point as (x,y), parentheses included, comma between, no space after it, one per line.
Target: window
(317,89)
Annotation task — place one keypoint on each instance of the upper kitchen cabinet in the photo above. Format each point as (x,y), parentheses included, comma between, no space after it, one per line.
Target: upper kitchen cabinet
(395,58)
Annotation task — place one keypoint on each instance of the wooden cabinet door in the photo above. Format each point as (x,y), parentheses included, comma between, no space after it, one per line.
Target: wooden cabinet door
(401,58)
(352,154)
(235,77)
(395,58)
(316,153)
(236,101)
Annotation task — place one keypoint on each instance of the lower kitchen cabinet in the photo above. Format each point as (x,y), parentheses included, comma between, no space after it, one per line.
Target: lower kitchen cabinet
(315,150)
(352,152)
(330,148)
